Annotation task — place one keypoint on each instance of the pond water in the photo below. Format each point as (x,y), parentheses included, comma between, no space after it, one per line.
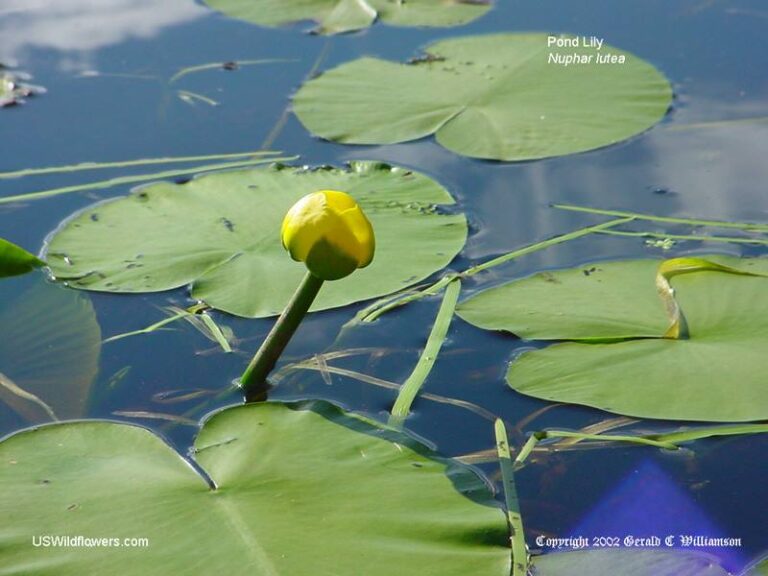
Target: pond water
(106,67)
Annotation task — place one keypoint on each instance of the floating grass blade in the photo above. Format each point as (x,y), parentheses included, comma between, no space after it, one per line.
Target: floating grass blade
(179,396)
(193,97)
(546,244)
(281,373)
(204,324)
(733,239)
(323,367)
(644,440)
(149,329)
(372,312)
(709,432)
(138,178)
(750,226)
(380,382)
(537,437)
(131,163)
(514,518)
(489,455)
(384,305)
(666,441)
(225,66)
(212,331)
(200,321)
(527,449)
(412,385)
(598,428)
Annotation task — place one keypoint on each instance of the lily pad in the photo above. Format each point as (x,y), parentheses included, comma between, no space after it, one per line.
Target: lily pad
(15,260)
(221,232)
(495,97)
(275,489)
(339,16)
(628,562)
(714,372)
(49,352)
(600,301)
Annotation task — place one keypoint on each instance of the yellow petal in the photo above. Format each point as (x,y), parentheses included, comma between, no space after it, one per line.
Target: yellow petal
(329,228)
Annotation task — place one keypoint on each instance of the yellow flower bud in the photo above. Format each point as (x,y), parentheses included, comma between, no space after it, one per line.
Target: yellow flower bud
(328,231)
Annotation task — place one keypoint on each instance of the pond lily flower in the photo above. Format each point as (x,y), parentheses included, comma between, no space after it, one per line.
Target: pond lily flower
(329,232)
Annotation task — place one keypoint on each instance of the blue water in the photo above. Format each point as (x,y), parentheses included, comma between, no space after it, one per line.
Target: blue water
(106,69)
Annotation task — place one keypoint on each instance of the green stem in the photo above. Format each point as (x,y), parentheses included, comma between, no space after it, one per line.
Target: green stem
(253,380)
(514,518)
(410,389)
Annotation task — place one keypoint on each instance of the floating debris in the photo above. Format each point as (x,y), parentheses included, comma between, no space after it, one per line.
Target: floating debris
(14,89)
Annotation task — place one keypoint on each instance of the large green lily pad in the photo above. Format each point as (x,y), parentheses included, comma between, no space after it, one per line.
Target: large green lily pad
(14,260)
(281,490)
(221,233)
(715,373)
(49,351)
(628,562)
(338,16)
(495,97)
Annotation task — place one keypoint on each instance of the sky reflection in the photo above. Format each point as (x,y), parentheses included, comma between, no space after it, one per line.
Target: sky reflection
(79,27)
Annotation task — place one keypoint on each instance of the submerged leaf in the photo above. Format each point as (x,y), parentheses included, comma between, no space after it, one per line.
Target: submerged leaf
(284,490)
(222,234)
(49,350)
(496,97)
(339,16)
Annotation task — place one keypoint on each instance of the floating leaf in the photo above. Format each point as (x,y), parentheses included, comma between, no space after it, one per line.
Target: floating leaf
(628,562)
(600,301)
(493,97)
(338,16)
(50,349)
(222,233)
(281,490)
(15,260)
(620,360)
(589,302)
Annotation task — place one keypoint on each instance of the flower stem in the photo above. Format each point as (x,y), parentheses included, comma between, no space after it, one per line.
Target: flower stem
(253,380)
